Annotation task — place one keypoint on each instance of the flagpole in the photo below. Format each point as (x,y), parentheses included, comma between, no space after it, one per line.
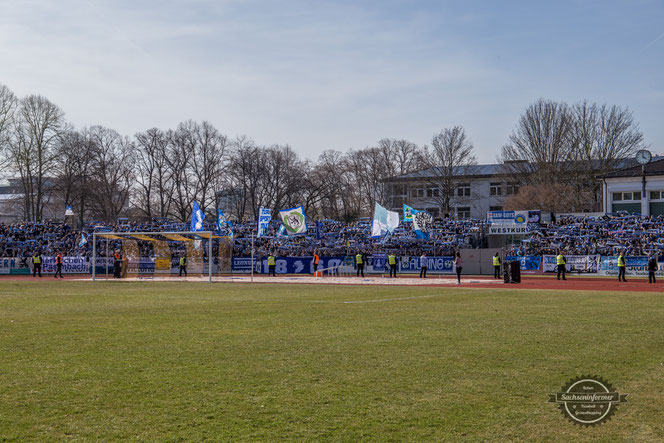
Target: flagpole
(252,256)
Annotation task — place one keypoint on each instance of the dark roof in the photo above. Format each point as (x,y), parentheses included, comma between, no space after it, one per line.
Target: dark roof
(653,168)
(489,170)
(461,171)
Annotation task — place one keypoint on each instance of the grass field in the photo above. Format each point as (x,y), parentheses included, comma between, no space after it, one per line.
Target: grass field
(169,361)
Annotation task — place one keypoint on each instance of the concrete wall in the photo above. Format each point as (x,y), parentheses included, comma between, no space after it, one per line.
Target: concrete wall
(479,261)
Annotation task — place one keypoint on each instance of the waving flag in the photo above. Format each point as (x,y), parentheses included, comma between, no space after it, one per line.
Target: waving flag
(221,222)
(295,221)
(83,241)
(407,213)
(422,223)
(264,218)
(384,221)
(197,218)
(69,211)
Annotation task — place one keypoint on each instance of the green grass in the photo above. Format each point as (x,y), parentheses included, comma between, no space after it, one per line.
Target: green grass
(178,361)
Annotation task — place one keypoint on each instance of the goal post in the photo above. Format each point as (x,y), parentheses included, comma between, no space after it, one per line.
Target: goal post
(160,253)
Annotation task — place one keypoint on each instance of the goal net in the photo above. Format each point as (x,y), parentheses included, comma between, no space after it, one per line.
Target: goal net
(201,254)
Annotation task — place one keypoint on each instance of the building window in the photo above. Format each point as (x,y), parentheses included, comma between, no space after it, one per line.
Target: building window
(415,193)
(432,192)
(463,212)
(496,189)
(463,190)
(656,195)
(495,208)
(512,188)
(629,196)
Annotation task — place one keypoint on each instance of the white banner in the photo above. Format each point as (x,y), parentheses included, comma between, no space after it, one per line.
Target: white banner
(575,263)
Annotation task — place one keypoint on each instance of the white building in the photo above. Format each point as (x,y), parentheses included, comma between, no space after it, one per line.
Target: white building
(637,190)
(478,189)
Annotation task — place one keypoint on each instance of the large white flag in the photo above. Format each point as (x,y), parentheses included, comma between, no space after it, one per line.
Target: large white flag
(384,221)
(294,219)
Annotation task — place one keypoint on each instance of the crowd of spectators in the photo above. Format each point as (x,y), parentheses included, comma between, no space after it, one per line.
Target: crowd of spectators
(607,235)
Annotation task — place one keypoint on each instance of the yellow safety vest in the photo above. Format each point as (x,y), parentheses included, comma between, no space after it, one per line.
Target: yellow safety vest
(271,261)
(358,259)
(183,260)
(36,260)
(496,261)
(560,260)
(621,261)
(392,260)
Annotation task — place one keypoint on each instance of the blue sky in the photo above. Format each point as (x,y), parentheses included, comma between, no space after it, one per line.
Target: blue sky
(334,75)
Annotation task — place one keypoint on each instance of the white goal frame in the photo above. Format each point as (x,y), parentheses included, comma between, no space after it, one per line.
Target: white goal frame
(205,234)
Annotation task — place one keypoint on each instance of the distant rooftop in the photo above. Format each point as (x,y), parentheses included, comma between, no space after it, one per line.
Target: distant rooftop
(493,169)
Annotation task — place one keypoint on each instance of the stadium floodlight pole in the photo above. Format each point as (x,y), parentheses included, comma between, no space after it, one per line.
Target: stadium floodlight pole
(94,255)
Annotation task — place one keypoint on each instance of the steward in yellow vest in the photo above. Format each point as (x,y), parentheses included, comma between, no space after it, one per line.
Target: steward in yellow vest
(359,264)
(271,266)
(392,261)
(622,267)
(496,265)
(561,262)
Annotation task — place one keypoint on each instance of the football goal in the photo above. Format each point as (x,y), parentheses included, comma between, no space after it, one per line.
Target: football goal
(160,254)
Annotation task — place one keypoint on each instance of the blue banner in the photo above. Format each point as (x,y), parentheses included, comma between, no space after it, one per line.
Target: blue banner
(434,264)
(298,265)
(242,264)
(528,262)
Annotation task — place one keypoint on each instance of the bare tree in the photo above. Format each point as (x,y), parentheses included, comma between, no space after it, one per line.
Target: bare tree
(112,172)
(604,137)
(154,184)
(33,149)
(75,157)
(541,148)
(450,155)
(8,105)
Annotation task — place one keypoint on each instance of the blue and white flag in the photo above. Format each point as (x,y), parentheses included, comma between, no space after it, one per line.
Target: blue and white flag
(281,232)
(319,234)
(384,221)
(83,241)
(197,218)
(221,222)
(69,211)
(407,213)
(422,223)
(294,219)
(264,217)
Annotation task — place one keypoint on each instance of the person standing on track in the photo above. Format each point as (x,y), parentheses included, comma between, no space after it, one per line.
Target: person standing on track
(58,265)
(117,264)
(652,268)
(561,263)
(271,266)
(36,264)
(315,261)
(622,267)
(458,264)
(496,265)
(424,263)
(183,264)
(359,263)
(392,261)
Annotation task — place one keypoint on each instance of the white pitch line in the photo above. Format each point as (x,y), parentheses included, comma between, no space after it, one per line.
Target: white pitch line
(392,299)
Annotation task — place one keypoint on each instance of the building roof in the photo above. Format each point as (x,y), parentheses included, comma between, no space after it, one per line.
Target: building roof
(494,169)
(461,171)
(655,167)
